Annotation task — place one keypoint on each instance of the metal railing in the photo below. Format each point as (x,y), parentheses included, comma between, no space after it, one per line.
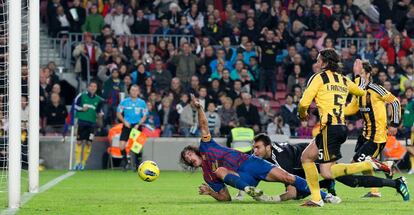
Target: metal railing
(64,46)
(359,42)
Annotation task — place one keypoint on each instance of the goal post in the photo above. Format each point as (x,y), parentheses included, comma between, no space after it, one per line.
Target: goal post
(14,70)
(33,157)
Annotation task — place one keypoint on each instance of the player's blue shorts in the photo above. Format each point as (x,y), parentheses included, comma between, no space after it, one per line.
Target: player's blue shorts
(254,170)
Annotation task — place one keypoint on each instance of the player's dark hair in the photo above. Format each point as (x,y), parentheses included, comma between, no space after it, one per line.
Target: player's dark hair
(332,60)
(186,164)
(367,66)
(264,138)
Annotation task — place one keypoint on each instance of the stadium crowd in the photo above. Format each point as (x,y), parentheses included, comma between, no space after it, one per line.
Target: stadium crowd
(247,61)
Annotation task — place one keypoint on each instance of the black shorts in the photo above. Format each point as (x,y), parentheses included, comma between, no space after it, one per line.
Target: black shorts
(125,132)
(329,141)
(86,133)
(366,148)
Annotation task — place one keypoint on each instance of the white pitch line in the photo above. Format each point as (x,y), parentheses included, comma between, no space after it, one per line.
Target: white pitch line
(27,196)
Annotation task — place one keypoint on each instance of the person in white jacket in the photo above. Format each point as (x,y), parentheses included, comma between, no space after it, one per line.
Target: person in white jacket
(119,21)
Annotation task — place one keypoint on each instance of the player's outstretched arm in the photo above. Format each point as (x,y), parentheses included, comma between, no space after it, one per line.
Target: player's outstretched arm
(222,195)
(202,119)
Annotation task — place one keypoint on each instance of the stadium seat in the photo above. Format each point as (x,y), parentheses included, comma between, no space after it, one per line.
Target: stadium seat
(280,95)
(281,87)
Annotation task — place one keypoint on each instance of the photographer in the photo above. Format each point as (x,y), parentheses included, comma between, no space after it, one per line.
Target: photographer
(278,126)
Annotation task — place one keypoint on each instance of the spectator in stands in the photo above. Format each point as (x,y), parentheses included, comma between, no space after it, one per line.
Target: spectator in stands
(298,15)
(148,88)
(106,33)
(266,115)
(394,79)
(396,46)
(289,113)
(140,24)
(203,75)
(176,89)
(248,53)
(236,73)
(293,78)
(362,25)
(249,112)
(164,29)
(152,126)
(138,76)
(51,15)
(194,86)
(56,88)
(251,30)
(109,6)
(184,28)
(407,79)
(212,30)
(60,24)
(408,21)
(168,118)
(90,50)
(76,16)
(220,59)
(214,91)
(304,131)
(213,119)
(56,114)
(94,22)
(111,89)
(186,63)
(189,121)
(162,77)
(278,126)
(335,31)
(316,20)
(25,109)
(228,116)
(119,21)
(195,17)
(269,49)
(297,94)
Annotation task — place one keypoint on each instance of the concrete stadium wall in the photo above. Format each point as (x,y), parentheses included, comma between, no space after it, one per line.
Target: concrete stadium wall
(164,151)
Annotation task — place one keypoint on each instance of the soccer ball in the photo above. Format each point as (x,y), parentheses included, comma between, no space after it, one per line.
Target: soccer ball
(148,171)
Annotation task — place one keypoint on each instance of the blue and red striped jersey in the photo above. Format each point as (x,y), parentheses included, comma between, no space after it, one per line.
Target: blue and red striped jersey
(214,155)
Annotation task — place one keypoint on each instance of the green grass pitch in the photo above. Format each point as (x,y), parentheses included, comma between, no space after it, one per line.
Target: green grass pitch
(116,192)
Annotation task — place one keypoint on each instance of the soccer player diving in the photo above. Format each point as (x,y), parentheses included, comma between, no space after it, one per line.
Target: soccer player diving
(222,165)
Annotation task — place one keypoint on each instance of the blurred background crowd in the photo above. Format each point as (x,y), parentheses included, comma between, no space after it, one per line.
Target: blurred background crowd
(248,61)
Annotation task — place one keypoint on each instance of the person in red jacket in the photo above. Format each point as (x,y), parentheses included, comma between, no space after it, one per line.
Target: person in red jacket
(397,46)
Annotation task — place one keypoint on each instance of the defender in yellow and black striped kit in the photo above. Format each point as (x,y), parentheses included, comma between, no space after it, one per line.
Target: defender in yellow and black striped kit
(372,107)
(329,88)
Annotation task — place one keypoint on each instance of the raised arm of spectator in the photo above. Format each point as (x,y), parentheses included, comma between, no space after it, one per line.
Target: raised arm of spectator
(407,45)
(321,40)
